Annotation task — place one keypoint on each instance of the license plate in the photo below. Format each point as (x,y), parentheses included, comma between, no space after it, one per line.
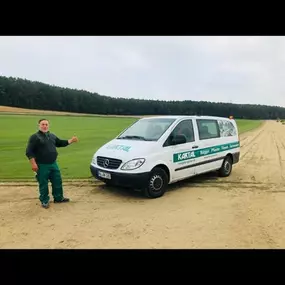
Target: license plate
(104,175)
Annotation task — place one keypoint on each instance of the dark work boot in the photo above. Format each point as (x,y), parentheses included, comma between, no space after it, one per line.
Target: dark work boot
(45,205)
(64,200)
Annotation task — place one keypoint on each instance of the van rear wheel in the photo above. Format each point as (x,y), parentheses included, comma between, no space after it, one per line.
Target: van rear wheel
(227,166)
(157,183)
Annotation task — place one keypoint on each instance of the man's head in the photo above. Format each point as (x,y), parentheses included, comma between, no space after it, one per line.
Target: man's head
(44,125)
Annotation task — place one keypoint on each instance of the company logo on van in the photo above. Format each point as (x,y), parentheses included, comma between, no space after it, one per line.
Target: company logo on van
(119,147)
(186,155)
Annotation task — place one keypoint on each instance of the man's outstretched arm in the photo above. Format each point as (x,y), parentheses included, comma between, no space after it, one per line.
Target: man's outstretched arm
(63,143)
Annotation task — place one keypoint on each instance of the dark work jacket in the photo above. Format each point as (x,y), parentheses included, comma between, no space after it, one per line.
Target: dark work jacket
(42,147)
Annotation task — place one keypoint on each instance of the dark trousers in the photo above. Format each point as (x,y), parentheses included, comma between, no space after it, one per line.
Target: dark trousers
(46,173)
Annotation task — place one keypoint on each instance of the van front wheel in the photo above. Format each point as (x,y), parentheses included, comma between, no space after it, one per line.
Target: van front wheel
(157,183)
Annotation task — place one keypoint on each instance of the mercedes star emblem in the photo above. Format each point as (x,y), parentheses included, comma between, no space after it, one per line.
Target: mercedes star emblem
(106,163)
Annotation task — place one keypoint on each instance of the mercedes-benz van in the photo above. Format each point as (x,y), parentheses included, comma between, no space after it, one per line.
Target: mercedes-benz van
(157,151)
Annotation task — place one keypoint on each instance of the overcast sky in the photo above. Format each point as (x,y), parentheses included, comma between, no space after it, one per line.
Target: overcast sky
(219,69)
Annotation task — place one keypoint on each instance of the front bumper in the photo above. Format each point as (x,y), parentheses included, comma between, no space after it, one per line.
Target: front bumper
(138,180)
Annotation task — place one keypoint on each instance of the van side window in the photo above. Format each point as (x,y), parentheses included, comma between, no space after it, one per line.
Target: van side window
(183,128)
(227,129)
(208,129)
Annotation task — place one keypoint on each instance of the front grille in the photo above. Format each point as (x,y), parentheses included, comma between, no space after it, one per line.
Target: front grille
(109,163)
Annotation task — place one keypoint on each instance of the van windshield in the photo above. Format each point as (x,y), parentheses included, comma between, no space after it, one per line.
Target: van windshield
(147,129)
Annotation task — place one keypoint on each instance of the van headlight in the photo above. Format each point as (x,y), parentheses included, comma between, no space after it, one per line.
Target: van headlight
(133,164)
(94,160)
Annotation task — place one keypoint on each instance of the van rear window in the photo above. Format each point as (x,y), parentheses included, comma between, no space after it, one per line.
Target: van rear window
(227,128)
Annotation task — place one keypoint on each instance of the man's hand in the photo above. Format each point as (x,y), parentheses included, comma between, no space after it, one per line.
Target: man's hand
(34,165)
(72,140)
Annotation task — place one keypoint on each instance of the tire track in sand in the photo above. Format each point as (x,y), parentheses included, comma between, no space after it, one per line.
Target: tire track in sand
(279,155)
(261,159)
(248,141)
(257,210)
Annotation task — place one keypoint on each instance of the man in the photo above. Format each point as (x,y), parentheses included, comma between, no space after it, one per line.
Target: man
(42,153)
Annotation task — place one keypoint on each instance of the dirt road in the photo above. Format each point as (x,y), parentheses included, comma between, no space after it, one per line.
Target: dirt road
(245,210)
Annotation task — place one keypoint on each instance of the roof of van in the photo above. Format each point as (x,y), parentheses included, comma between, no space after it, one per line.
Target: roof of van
(184,117)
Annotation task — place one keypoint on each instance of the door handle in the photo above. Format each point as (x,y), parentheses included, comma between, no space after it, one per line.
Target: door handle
(195,146)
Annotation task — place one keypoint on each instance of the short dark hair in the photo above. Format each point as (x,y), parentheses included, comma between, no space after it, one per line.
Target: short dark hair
(43,120)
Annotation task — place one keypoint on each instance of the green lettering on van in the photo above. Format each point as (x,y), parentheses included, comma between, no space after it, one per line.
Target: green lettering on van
(186,155)
(119,147)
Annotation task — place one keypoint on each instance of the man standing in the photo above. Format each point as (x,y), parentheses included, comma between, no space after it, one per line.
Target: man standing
(42,153)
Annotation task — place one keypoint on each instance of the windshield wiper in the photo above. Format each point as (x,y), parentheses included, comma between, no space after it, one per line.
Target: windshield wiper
(133,137)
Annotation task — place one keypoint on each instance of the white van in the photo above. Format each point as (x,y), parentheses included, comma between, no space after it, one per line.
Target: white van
(157,151)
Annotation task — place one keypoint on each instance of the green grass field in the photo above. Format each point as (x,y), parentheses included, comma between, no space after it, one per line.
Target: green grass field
(74,160)
(247,125)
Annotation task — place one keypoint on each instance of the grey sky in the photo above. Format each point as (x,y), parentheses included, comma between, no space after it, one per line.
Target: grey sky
(219,69)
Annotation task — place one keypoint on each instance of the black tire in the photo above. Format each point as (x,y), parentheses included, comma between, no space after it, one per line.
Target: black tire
(226,168)
(157,183)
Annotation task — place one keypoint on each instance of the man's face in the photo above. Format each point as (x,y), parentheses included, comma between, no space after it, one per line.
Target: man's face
(44,126)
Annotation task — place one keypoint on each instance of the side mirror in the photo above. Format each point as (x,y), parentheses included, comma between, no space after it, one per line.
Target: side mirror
(179,139)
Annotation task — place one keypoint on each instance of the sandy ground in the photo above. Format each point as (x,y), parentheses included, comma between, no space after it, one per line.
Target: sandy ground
(245,210)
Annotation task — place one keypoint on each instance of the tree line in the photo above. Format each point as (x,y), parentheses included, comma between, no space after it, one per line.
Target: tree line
(17,92)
